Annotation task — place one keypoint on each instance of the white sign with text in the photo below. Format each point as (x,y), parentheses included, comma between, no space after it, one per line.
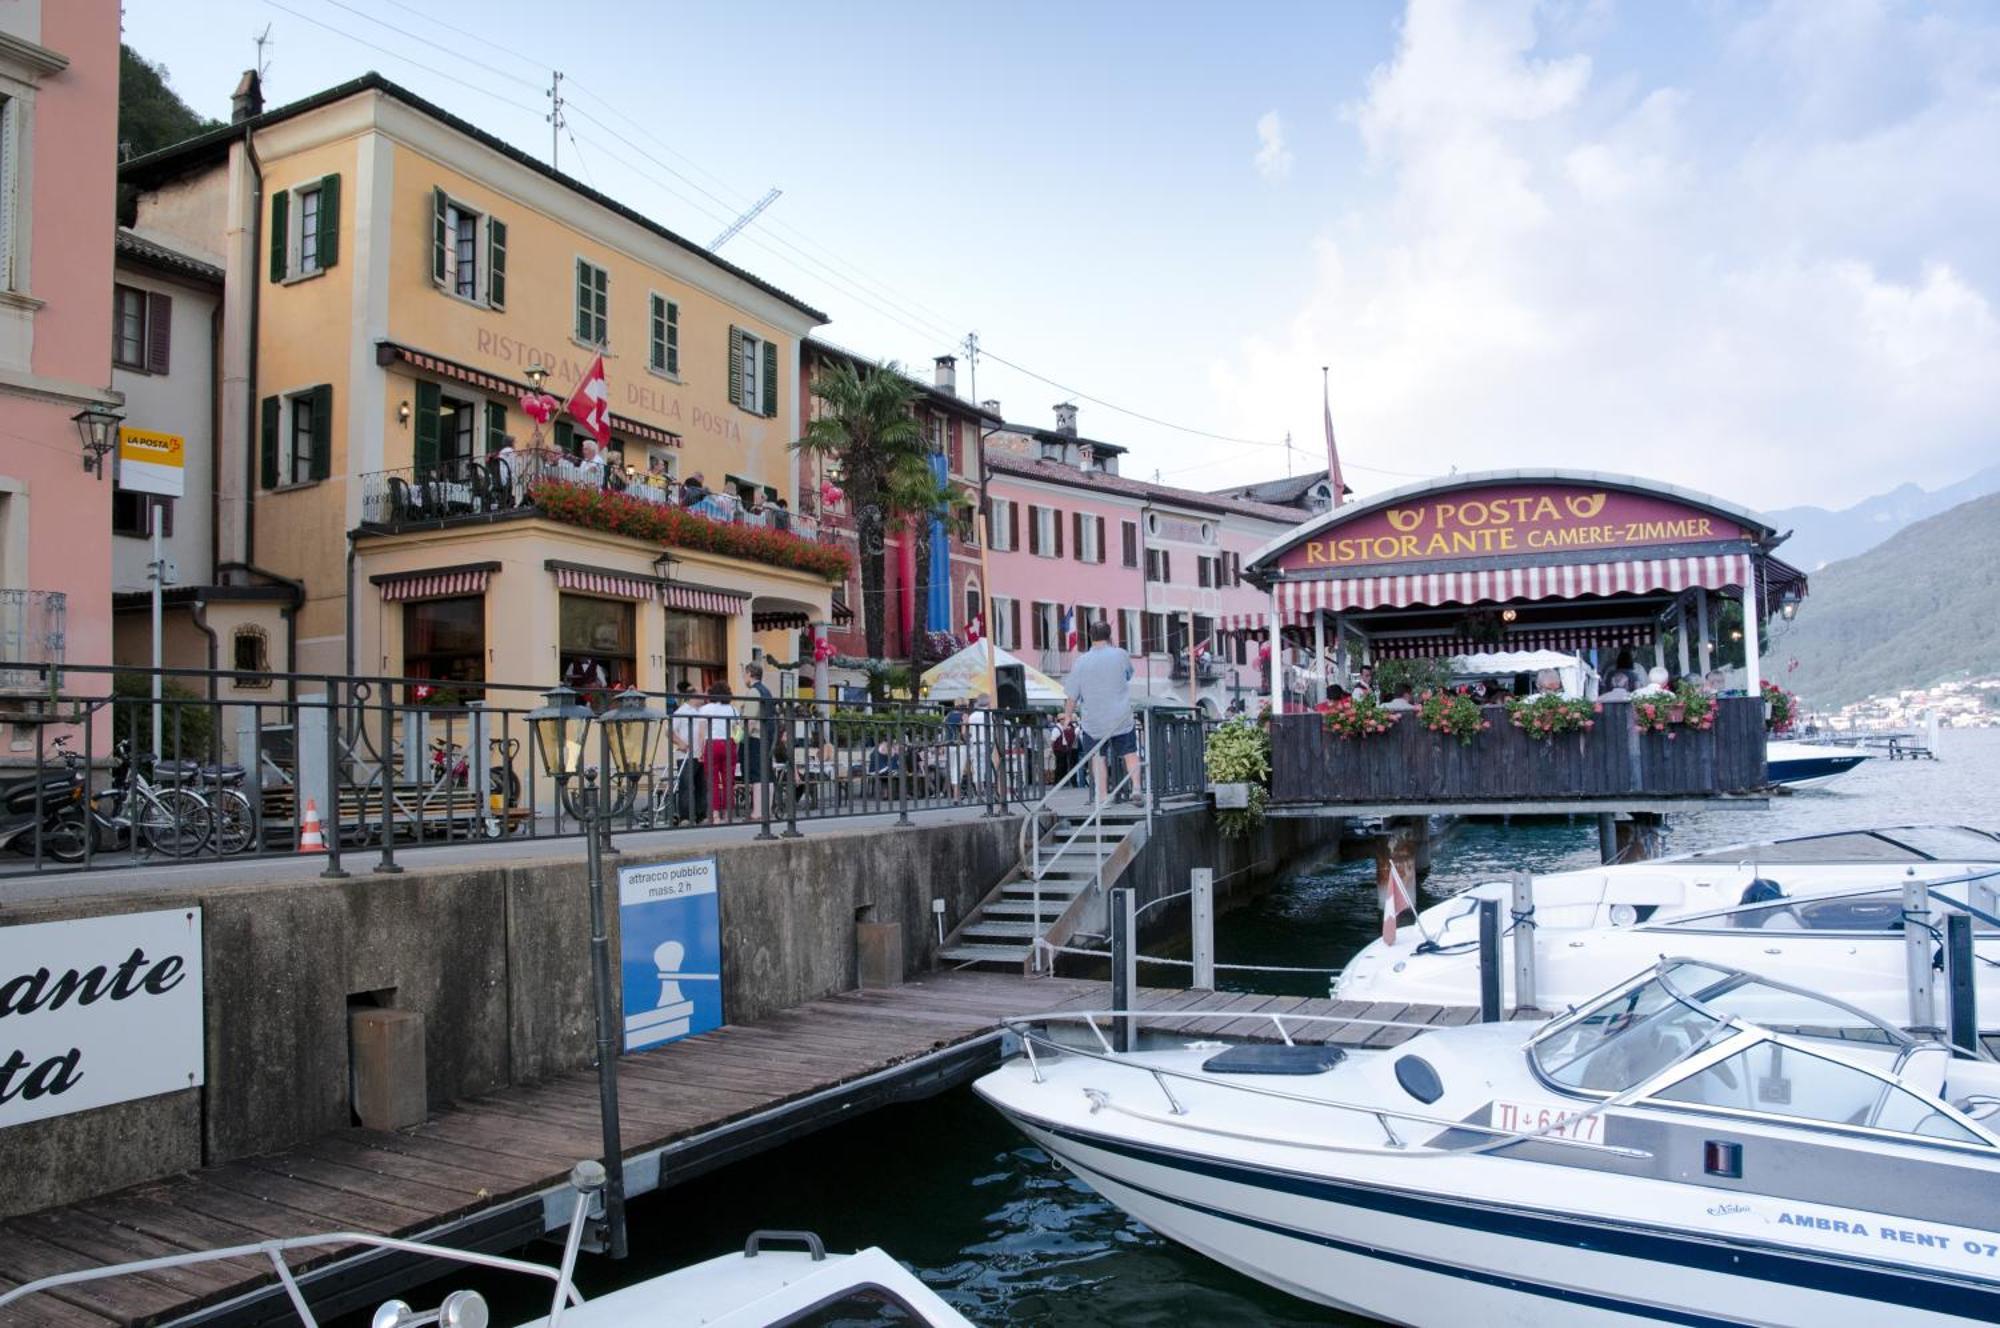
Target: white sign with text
(98,1010)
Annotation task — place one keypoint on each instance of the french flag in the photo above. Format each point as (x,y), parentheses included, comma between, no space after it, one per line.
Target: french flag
(1069,629)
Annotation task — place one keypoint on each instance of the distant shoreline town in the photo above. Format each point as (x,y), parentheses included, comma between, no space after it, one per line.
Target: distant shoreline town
(1960,703)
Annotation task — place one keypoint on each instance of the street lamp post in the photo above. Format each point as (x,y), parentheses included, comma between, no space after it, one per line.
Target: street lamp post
(626,738)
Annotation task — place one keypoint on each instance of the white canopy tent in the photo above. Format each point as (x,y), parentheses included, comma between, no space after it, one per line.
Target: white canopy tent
(1491,663)
(964,675)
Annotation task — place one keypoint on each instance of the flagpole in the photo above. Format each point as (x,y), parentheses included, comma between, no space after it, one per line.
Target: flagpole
(986,604)
(1334,483)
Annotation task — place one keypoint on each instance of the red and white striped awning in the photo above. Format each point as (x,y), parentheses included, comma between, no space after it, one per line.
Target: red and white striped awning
(704,599)
(433,585)
(1299,600)
(778,620)
(609,584)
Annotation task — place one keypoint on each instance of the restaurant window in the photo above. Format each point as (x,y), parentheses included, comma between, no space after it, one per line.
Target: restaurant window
(697,650)
(663,338)
(1128,532)
(598,646)
(445,640)
(593,304)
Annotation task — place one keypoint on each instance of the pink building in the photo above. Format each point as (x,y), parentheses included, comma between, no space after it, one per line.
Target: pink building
(58,162)
(1075,542)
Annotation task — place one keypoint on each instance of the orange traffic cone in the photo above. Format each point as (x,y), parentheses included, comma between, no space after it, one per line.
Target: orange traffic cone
(310,838)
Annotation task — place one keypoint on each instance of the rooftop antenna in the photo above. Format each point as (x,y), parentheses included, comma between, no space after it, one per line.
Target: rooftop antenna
(263,39)
(555,115)
(1288,454)
(972,361)
(757,207)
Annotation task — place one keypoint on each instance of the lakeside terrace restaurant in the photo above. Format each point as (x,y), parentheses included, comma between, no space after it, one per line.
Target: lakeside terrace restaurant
(1572,561)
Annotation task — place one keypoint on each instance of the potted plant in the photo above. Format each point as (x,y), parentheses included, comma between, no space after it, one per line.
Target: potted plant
(1552,714)
(1453,713)
(1357,716)
(1238,756)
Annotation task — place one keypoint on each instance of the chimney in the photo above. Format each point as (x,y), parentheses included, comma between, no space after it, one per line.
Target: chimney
(946,378)
(992,407)
(1066,418)
(248,99)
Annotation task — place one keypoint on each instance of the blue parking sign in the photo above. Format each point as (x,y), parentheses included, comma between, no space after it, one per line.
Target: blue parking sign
(670,950)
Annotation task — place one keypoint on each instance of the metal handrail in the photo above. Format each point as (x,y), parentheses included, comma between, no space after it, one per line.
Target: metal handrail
(1029,840)
(1022,1026)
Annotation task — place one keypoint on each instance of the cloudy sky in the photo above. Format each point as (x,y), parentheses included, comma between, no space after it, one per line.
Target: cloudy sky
(1750,247)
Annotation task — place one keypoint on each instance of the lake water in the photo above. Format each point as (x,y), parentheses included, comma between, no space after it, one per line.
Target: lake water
(996,1229)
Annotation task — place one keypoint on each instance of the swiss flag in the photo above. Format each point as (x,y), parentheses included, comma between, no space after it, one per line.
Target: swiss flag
(590,404)
(974,630)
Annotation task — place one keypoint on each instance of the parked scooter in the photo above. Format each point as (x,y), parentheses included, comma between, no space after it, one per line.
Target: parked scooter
(30,806)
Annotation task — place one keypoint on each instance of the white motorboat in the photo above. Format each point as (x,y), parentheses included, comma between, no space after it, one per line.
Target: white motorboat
(1697,1147)
(1820,911)
(762,1287)
(1809,764)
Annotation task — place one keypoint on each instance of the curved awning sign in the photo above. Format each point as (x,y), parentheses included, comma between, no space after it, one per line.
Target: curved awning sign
(1509,520)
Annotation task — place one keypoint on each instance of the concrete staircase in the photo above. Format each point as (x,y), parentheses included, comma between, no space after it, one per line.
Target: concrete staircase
(1075,855)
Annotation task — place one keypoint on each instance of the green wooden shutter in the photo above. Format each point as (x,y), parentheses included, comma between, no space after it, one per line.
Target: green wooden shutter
(438,237)
(496,263)
(770,380)
(673,338)
(496,426)
(565,433)
(428,402)
(656,333)
(267,444)
(322,409)
(281,204)
(329,220)
(735,365)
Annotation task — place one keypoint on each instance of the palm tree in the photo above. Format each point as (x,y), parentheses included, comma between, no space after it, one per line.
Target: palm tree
(867,428)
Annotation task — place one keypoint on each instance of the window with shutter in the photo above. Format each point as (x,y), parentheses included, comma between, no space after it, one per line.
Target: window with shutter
(1076,536)
(1129,533)
(281,232)
(663,339)
(429,400)
(159,330)
(1166,565)
(1056,529)
(735,365)
(329,221)
(496,426)
(496,263)
(320,463)
(440,236)
(770,380)
(128,327)
(593,304)
(1100,539)
(1014,624)
(267,444)
(306,213)
(1013,526)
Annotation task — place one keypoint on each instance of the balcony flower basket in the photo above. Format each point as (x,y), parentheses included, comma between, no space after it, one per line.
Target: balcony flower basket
(1357,716)
(1684,706)
(1239,753)
(1454,713)
(1551,715)
(676,528)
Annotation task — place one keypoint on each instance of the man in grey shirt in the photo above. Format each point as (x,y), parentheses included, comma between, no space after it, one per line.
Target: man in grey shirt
(1098,686)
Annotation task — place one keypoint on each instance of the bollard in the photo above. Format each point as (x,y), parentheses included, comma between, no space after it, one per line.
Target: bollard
(1201,914)
(1607,838)
(1917,958)
(1124,964)
(1524,941)
(1963,992)
(1489,961)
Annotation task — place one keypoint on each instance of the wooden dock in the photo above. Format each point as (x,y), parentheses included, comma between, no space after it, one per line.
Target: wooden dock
(490,1173)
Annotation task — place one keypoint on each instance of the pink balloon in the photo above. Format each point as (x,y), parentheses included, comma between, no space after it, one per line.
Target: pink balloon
(539,407)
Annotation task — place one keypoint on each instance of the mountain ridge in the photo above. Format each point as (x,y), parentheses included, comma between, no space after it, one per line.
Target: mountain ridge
(1822,536)
(1922,605)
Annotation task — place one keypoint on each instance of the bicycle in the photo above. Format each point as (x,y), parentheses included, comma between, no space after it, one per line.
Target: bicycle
(175,822)
(451,768)
(235,818)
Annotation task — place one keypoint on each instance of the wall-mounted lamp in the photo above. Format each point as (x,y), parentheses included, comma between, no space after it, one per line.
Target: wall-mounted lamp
(1508,615)
(98,428)
(1788,604)
(537,374)
(403,413)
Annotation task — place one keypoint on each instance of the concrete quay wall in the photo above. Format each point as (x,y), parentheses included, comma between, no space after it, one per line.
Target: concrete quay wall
(496,960)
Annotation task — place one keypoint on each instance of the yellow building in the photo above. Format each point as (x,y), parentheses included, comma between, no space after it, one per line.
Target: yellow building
(395,277)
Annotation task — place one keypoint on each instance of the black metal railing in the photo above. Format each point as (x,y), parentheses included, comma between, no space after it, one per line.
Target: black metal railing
(377,766)
(1176,753)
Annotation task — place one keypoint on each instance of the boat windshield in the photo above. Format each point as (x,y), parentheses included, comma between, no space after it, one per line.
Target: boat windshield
(1625,1040)
(1876,911)
(1946,843)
